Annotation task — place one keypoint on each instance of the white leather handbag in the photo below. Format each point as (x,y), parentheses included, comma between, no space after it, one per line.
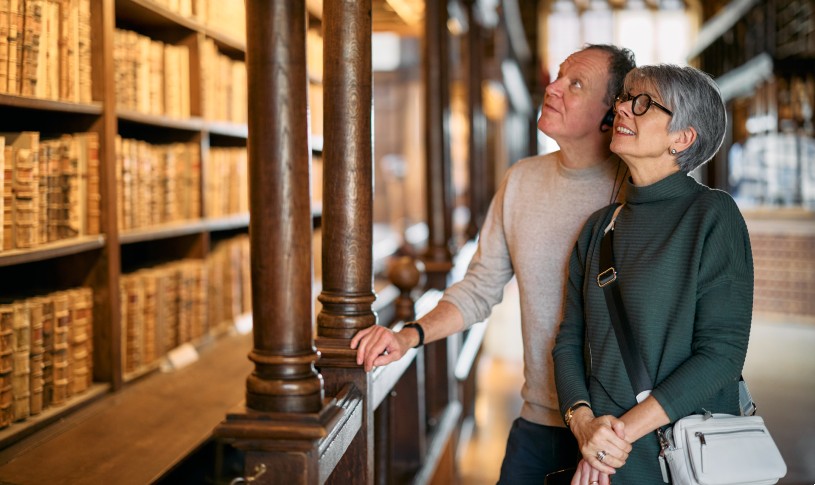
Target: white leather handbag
(721,449)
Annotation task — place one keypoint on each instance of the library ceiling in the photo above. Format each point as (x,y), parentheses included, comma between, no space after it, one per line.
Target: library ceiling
(407,16)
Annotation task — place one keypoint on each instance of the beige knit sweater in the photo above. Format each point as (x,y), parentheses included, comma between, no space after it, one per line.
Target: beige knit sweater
(529,232)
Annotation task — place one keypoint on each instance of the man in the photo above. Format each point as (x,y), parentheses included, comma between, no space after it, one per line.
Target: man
(529,232)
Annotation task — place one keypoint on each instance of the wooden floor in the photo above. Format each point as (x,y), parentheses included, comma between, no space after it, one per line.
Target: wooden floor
(497,405)
(780,371)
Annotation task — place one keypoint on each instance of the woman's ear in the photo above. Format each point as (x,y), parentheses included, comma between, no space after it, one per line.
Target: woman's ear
(684,139)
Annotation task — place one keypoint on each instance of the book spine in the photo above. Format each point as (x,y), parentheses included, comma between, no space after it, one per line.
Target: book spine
(6,364)
(36,381)
(48,323)
(60,359)
(4,46)
(21,384)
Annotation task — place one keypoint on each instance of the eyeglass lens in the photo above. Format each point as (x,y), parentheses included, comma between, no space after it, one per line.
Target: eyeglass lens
(641,103)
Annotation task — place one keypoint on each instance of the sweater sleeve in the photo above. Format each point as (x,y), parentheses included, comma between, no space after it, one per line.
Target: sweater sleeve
(568,352)
(723,314)
(490,268)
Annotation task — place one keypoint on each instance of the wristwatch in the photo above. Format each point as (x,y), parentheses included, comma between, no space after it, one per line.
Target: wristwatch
(415,325)
(567,417)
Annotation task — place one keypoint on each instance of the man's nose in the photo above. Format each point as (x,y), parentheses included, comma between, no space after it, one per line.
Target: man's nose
(554,88)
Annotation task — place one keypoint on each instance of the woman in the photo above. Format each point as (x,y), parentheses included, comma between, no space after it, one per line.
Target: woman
(685,273)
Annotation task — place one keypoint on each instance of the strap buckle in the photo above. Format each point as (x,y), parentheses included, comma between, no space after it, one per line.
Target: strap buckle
(607,277)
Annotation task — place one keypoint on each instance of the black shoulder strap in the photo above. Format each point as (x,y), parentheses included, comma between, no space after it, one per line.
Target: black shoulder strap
(641,382)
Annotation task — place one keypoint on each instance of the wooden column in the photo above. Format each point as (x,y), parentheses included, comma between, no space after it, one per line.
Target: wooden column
(285,414)
(107,354)
(347,226)
(280,227)
(479,199)
(347,257)
(438,258)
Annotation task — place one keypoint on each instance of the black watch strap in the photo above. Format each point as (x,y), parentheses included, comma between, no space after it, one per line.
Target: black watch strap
(419,329)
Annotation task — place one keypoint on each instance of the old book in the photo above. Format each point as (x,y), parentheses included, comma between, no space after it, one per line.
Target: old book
(4,34)
(72,199)
(68,47)
(8,197)
(20,382)
(142,68)
(193,207)
(88,145)
(42,188)
(16,11)
(150,283)
(33,52)
(199,313)
(60,358)
(171,303)
(25,171)
(133,315)
(172,82)
(2,189)
(6,363)
(48,323)
(51,23)
(157,106)
(81,304)
(84,46)
(36,382)
(184,80)
(53,196)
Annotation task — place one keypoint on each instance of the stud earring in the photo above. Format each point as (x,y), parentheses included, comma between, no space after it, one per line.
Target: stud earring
(673,151)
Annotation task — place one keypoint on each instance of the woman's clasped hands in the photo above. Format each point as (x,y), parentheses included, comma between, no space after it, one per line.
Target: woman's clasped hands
(603,446)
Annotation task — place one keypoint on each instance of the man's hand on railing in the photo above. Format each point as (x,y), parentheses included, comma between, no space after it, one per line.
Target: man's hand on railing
(377,345)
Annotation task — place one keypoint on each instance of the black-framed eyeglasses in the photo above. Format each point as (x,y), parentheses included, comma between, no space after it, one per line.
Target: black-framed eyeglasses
(639,103)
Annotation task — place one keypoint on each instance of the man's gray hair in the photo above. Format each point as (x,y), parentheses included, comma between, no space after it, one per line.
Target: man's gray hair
(621,60)
(696,101)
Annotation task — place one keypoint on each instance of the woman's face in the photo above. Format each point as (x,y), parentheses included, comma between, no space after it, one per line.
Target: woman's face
(644,137)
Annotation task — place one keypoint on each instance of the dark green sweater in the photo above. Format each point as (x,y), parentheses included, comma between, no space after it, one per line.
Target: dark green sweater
(685,272)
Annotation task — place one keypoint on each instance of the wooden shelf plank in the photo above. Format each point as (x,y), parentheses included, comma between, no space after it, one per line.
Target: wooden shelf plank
(51,250)
(225,128)
(50,105)
(227,223)
(164,231)
(187,124)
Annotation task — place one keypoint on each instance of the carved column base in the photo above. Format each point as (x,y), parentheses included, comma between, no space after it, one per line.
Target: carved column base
(303,447)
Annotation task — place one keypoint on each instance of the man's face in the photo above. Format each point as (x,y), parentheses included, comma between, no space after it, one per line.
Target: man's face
(574,103)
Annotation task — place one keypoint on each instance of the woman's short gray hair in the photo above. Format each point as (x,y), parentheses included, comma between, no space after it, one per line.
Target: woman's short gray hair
(696,101)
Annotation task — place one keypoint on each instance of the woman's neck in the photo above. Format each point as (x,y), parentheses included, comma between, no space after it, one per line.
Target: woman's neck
(650,171)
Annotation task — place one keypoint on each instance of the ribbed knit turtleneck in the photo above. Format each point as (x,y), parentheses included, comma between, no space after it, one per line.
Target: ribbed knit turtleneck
(685,273)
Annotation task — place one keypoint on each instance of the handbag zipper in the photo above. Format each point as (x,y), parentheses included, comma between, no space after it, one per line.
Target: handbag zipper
(703,441)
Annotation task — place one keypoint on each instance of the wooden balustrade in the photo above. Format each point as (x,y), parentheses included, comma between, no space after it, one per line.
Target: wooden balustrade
(398,423)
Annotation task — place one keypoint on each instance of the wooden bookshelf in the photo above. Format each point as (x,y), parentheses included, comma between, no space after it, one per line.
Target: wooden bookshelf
(102,261)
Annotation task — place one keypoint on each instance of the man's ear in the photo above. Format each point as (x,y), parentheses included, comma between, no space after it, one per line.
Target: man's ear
(684,139)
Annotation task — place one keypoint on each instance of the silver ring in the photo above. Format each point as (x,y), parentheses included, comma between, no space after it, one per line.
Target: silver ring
(601,455)
(594,482)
